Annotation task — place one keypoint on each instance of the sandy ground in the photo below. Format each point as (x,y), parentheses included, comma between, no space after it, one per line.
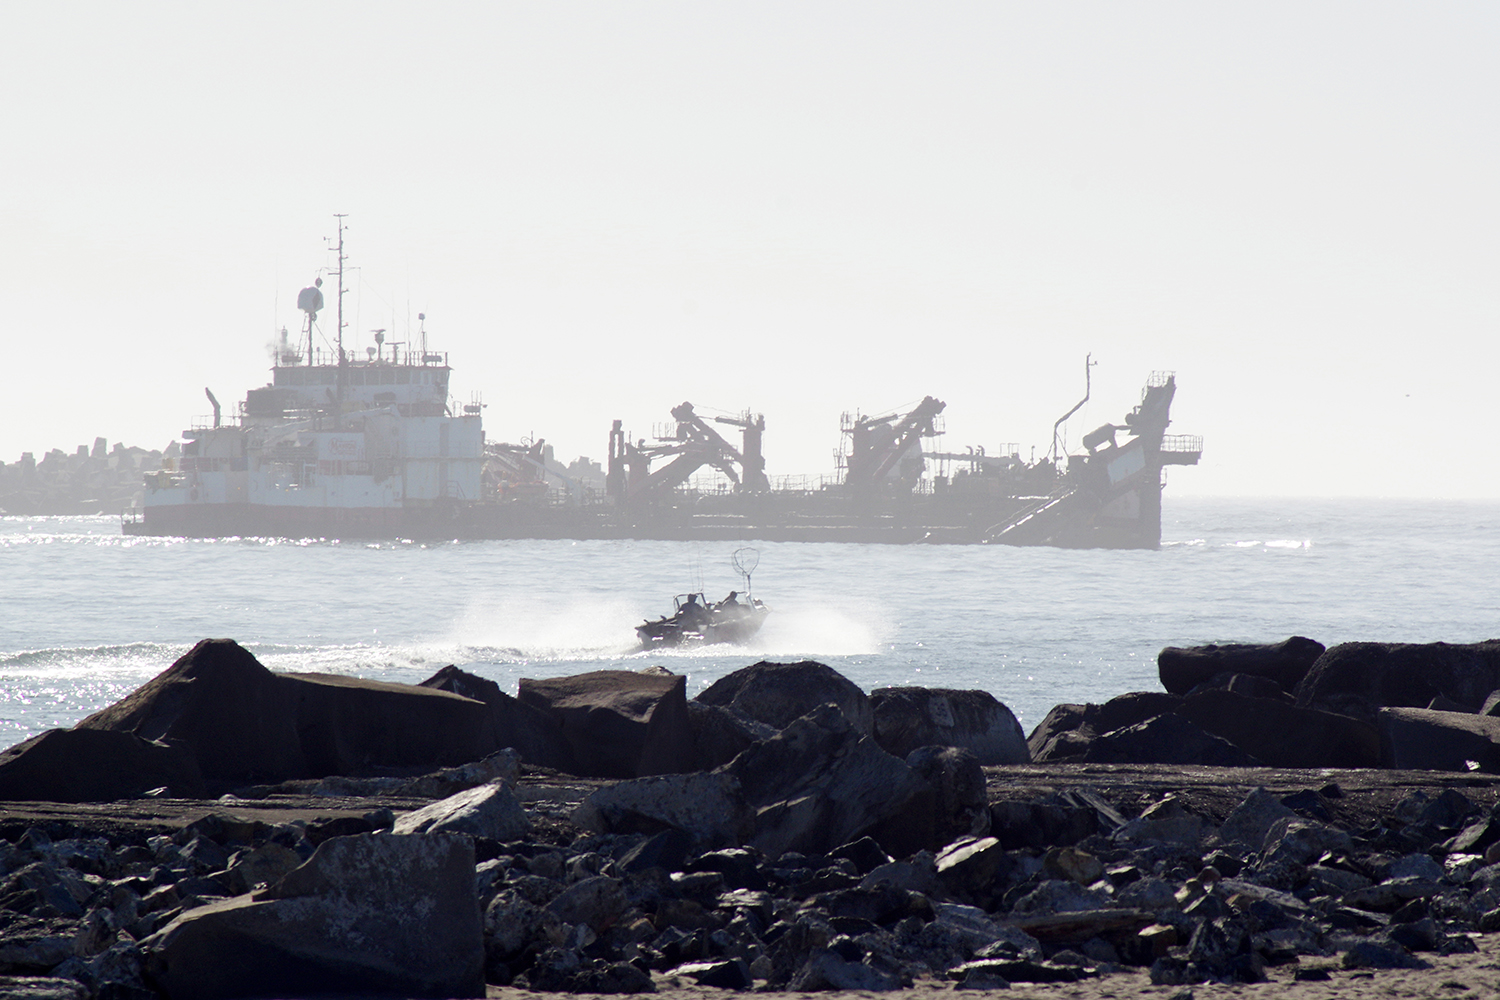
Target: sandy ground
(1474,975)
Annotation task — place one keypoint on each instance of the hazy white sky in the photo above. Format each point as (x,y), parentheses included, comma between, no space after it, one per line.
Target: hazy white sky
(797,208)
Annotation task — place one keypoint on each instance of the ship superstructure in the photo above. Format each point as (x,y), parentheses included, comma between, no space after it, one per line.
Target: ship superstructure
(333,444)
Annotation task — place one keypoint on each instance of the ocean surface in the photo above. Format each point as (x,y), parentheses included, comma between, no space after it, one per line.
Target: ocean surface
(87,615)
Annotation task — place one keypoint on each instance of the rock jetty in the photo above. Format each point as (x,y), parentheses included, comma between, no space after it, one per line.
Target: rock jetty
(227,831)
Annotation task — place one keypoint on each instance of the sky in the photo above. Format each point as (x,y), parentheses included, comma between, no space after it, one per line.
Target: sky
(799,209)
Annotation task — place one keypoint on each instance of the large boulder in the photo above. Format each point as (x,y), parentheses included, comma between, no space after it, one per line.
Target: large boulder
(489,811)
(817,784)
(821,782)
(1423,739)
(1359,678)
(907,718)
(95,765)
(536,735)
(778,693)
(708,808)
(1065,734)
(1282,735)
(241,722)
(619,724)
(722,734)
(224,706)
(1183,668)
(961,807)
(371,914)
(349,724)
(1166,739)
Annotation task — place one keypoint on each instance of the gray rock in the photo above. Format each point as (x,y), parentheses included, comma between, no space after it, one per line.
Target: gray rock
(1253,818)
(1166,739)
(41,988)
(778,693)
(707,807)
(1060,896)
(489,811)
(1418,866)
(1390,895)
(598,901)
(373,913)
(1072,864)
(511,922)
(973,928)
(1285,663)
(1369,955)
(970,861)
(619,723)
(907,718)
(961,806)
(1421,739)
(828,971)
(917,875)
(1165,821)
(820,783)
(502,765)
(261,866)
(1148,893)
(721,734)
(34,953)
(241,722)
(1357,678)
(1303,841)
(534,734)
(95,765)
(1279,734)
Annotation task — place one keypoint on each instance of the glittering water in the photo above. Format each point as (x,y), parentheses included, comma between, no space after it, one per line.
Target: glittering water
(87,615)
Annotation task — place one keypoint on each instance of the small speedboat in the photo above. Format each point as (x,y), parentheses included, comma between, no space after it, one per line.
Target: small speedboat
(694,621)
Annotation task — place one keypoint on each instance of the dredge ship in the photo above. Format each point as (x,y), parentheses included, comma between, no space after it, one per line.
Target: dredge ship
(342,446)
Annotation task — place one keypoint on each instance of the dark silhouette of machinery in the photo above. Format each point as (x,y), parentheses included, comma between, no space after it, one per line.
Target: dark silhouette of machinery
(881,446)
(692,445)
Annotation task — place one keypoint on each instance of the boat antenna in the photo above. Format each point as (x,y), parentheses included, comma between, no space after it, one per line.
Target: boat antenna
(1088,363)
(745,560)
(338,340)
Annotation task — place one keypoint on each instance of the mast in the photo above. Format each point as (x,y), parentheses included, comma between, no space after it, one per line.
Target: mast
(339,334)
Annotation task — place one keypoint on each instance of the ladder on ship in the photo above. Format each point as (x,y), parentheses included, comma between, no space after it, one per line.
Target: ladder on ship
(1027,514)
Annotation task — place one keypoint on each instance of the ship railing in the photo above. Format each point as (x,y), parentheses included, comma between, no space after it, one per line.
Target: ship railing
(1159,378)
(800,484)
(1182,444)
(414,357)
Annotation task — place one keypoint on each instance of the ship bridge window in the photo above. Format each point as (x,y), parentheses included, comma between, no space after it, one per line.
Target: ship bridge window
(356,378)
(328,377)
(388,376)
(403,377)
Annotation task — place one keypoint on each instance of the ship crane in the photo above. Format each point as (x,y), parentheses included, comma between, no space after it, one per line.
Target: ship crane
(880,443)
(696,444)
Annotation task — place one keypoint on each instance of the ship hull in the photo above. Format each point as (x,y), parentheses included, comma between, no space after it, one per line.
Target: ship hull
(764,517)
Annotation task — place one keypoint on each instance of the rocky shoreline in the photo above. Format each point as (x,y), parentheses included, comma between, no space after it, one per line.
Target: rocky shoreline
(225,831)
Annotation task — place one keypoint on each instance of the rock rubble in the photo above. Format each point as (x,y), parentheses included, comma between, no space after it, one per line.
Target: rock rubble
(813,858)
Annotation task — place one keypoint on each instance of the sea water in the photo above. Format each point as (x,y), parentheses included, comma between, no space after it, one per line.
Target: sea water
(87,614)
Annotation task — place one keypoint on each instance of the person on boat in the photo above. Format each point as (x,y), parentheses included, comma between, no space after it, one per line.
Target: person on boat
(692,614)
(730,601)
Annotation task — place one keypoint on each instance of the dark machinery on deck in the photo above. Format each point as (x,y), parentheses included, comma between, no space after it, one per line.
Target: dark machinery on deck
(692,445)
